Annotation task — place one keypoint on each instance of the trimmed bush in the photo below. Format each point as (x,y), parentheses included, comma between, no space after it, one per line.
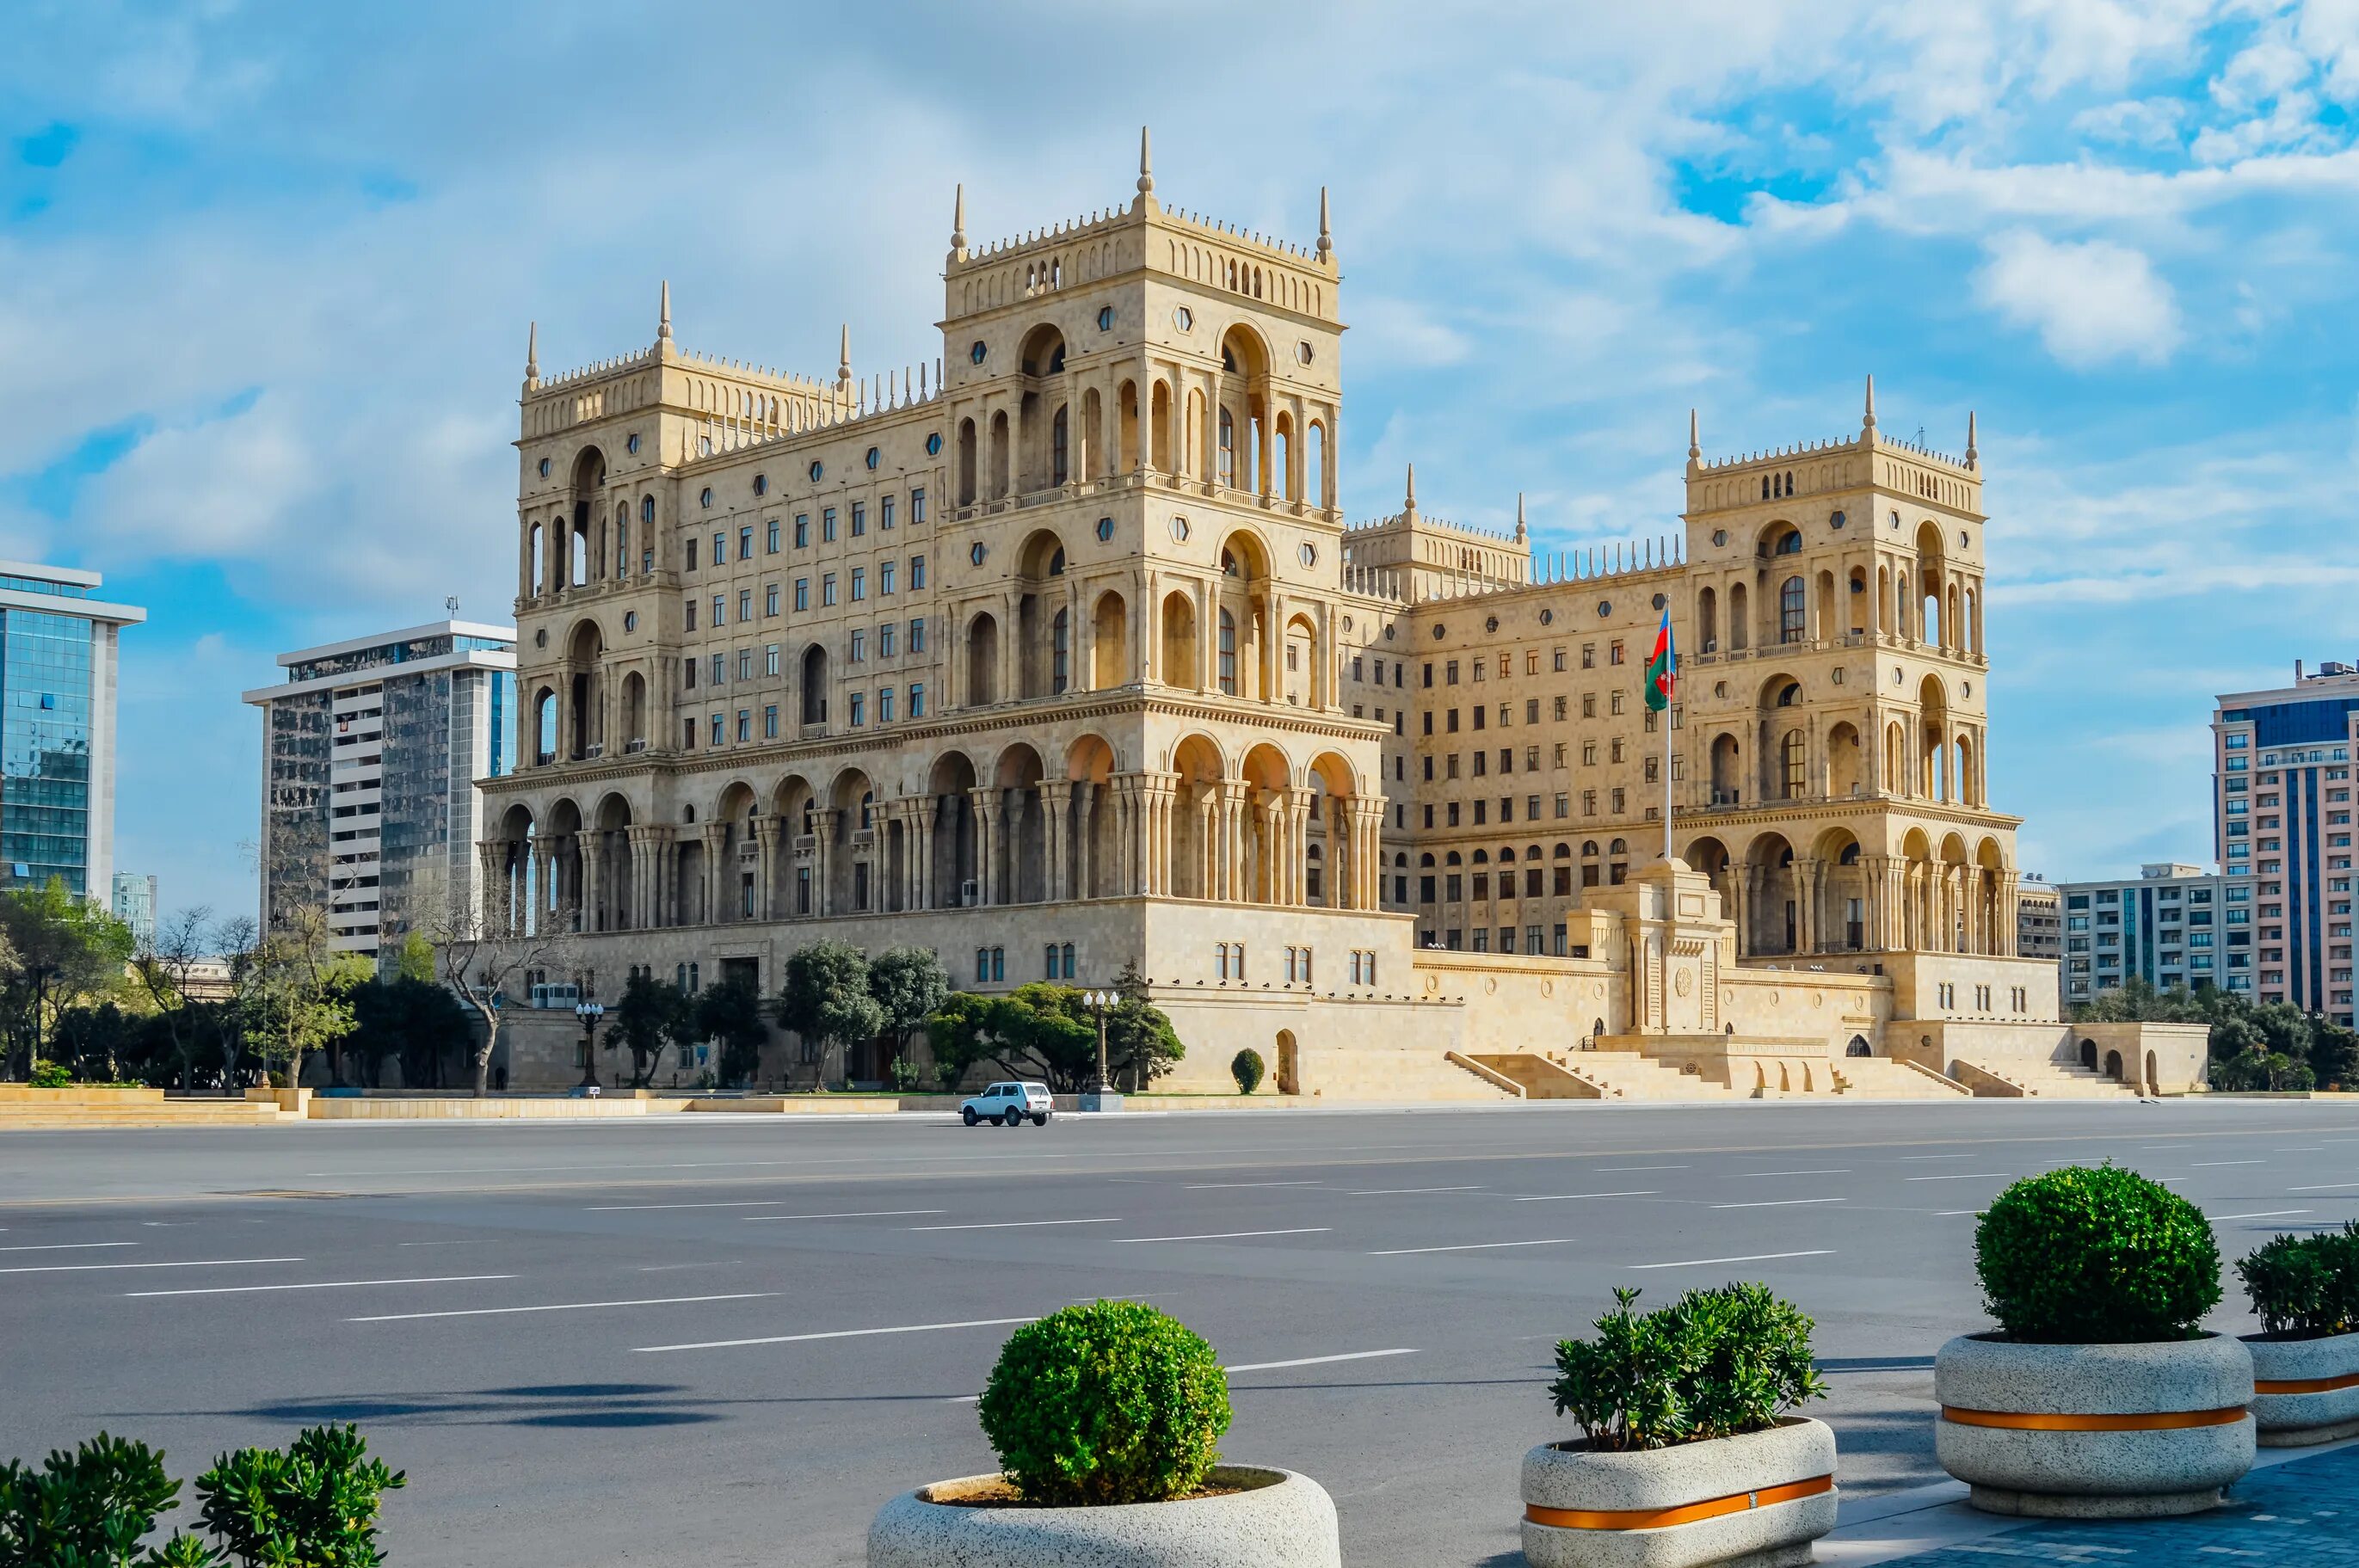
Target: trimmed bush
(2096,1256)
(1108,1402)
(1246,1067)
(1715,1363)
(91,1507)
(313,1505)
(2306,1285)
(52,1075)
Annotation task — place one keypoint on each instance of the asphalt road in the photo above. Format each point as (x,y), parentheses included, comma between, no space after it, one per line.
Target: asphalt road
(720,1340)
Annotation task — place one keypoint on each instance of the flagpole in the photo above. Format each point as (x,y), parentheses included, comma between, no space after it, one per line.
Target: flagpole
(1669,709)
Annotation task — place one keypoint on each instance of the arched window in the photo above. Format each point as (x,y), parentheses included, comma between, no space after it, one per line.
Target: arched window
(1228,653)
(867,809)
(1228,449)
(1060,632)
(1789,610)
(1059,447)
(646,508)
(1791,762)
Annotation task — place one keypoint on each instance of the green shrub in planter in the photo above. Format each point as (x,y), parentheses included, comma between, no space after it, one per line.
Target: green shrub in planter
(313,1505)
(1246,1067)
(1715,1363)
(91,1509)
(2306,1285)
(2096,1256)
(52,1076)
(1108,1402)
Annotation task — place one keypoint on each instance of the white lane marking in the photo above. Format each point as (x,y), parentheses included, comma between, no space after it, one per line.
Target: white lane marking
(1222,1235)
(852,1214)
(2200,1164)
(562,1307)
(1620,1170)
(1911,1158)
(480,1241)
(193,1263)
(2324,1187)
(733,1203)
(1742,1257)
(2264,1213)
(1756,1175)
(833,1333)
(1224,1187)
(1401,1192)
(1015,1224)
(1471,1247)
(2301,1149)
(674,1268)
(1320,1360)
(1779,1203)
(1561,1197)
(1953,1213)
(66,1246)
(316,1285)
(1958,1177)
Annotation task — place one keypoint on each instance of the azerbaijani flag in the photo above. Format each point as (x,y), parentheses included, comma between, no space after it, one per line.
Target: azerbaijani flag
(1662,667)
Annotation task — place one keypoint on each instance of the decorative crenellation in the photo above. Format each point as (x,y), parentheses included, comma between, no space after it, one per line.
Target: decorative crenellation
(1597,563)
(828,408)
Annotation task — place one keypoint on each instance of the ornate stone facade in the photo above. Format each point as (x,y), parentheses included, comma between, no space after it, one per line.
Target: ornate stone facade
(1059,655)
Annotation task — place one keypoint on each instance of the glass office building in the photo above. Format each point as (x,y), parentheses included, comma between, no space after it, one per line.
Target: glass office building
(2282,812)
(57,677)
(2173,926)
(372,748)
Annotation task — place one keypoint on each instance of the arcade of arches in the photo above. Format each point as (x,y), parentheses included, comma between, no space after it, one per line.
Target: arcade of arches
(1828,897)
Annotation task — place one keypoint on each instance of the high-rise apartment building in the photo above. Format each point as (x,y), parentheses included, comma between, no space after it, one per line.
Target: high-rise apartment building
(2172,925)
(2038,919)
(2281,794)
(134,904)
(371,750)
(58,655)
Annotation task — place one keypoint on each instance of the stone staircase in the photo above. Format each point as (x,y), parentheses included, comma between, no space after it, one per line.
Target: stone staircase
(1882,1077)
(23,1108)
(2020,1077)
(1626,1075)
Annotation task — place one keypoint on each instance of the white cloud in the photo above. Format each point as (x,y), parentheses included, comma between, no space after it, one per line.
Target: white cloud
(2091,302)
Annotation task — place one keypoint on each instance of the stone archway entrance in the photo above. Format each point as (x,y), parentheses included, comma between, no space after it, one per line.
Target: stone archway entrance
(1288,1065)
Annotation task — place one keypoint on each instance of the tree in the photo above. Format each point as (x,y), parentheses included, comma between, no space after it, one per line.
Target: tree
(162,966)
(1037,1031)
(416,959)
(958,1033)
(826,999)
(1141,1044)
(2333,1054)
(416,1021)
(63,953)
(240,946)
(483,963)
(730,1013)
(910,985)
(298,995)
(650,1014)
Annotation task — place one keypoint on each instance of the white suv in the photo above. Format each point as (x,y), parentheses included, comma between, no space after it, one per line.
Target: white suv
(1008,1105)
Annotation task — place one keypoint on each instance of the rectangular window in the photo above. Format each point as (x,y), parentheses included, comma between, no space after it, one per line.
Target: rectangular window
(827,588)
(859,519)
(770,660)
(688,670)
(827,524)
(917,634)
(884,513)
(719,548)
(770,722)
(745,664)
(859,584)
(770,600)
(884,571)
(720,673)
(885,705)
(859,708)
(719,721)
(692,554)
(860,646)
(719,609)
(745,543)
(745,724)
(689,615)
(916,574)
(916,506)
(802,530)
(770,544)
(744,605)
(802,593)
(918,701)
(885,635)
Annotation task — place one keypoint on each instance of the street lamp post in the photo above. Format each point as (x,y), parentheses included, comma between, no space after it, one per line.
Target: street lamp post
(589,1012)
(1100,1094)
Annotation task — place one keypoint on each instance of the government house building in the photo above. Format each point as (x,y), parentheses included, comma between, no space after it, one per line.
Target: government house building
(1062,654)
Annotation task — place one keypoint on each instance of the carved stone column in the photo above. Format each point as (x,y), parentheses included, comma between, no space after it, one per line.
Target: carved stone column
(986,802)
(768,829)
(1056,798)
(1085,795)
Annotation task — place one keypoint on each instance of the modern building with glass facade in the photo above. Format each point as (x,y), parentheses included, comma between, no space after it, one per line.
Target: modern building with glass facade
(371,750)
(134,904)
(2172,925)
(2282,811)
(58,668)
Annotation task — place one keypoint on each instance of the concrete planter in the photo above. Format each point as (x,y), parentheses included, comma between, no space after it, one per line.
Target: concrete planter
(2094,1431)
(1758,1500)
(2305,1390)
(1280,1520)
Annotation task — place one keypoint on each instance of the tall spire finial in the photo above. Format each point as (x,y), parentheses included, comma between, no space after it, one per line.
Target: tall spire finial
(1326,234)
(1408,503)
(844,357)
(1868,422)
(1971,453)
(1523,535)
(1695,446)
(958,221)
(663,316)
(1146,164)
(532,354)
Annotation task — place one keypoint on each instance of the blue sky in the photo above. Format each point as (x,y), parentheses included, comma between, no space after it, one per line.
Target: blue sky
(264,271)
